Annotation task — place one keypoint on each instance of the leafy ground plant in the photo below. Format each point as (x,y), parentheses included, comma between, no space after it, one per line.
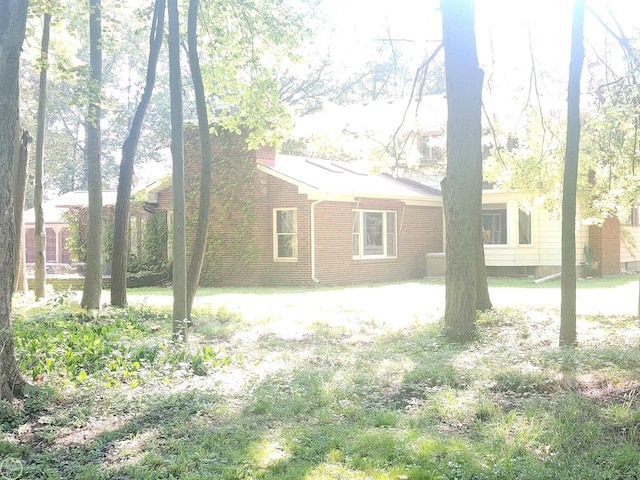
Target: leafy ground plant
(327,393)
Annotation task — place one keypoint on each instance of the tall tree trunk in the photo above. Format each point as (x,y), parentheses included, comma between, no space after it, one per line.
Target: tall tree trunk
(483,300)
(93,275)
(13,19)
(40,230)
(123,202)
(202,229)
(19,184)
(180,319)
(570,181)
(463,186)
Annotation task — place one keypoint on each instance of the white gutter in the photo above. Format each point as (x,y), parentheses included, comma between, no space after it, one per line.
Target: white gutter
(313,240)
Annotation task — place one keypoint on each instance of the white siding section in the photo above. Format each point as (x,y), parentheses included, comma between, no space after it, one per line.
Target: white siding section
(629,236)
(546,235)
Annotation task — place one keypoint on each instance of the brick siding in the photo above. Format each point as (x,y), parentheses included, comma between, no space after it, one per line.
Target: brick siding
(605,246)
(248,260)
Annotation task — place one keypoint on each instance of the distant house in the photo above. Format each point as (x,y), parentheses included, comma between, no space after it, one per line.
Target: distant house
(57,226)
(286,220)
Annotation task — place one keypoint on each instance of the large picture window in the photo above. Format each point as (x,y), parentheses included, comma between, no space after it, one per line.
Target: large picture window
(374,233)
(285,244)
(494,224)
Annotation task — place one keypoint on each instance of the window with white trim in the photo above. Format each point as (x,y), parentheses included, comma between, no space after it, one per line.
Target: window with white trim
(285,232)
(494,224)
(432,148)
(374,234)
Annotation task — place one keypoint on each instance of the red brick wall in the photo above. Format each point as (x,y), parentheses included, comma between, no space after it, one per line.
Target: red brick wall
(605,246)
(281,194)
(235,247)
(419,233)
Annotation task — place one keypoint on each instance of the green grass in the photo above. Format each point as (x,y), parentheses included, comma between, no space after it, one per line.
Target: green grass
(509,282)
(349,398)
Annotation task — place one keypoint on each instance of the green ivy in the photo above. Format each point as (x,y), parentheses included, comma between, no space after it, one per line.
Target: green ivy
(233,208)
(154,246)
(77,239)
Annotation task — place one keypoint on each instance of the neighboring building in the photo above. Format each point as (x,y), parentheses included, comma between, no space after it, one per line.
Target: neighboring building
(56,226)
(283,220)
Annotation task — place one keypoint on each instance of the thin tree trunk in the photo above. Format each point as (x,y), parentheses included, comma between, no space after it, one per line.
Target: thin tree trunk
(123,202)
(19,183)
(40,230)
(202,229)
(180,319)
(13,19)
(570,181)
(93,276)
(462,188)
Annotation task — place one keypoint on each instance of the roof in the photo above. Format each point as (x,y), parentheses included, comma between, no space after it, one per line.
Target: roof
(54,209)
(345,179)
(80,198)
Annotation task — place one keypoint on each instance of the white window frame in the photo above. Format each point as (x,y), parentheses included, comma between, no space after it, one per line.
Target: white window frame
(499,212)
(358,221)
(276,235)
(429,145)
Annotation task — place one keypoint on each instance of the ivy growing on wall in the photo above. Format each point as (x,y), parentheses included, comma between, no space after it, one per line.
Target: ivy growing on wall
(233,214)
(154,246)
(77,239)
(154,241)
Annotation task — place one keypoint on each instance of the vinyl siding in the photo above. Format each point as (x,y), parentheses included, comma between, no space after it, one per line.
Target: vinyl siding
(627,252)
(546,235)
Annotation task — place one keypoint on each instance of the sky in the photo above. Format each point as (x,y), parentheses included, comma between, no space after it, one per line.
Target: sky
(508,32)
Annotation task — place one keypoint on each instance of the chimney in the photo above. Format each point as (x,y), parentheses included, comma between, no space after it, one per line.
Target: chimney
(266,155)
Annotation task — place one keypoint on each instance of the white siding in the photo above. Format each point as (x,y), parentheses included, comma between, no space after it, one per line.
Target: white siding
(628,237)
(546,234)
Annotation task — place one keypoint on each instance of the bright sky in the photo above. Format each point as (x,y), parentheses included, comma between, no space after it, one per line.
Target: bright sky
(502,30)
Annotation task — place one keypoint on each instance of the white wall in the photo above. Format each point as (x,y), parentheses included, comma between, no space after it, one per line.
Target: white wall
(546,235)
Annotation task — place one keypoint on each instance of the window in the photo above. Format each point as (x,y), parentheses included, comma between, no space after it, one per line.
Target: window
(374,234)
(494,224)
(431,148)
(524,228)
(285,244)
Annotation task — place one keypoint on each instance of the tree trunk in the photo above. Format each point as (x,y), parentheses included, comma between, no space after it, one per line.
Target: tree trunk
(129,148)
(202,229)
(483,300)
(180,319)
(13,19)
(93,276)
(463,187)
(40,229)
(19,184)
(570,181)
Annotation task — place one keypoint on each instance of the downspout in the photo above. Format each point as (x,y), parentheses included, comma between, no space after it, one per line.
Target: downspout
(313,241)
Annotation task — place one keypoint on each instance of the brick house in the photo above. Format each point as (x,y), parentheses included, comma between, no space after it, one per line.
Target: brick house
(57,226)
(281,220)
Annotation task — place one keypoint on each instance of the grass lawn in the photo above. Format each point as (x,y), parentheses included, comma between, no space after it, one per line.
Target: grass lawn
(353,383)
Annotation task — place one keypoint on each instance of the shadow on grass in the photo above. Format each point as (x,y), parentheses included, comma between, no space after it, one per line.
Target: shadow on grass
(341,404)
